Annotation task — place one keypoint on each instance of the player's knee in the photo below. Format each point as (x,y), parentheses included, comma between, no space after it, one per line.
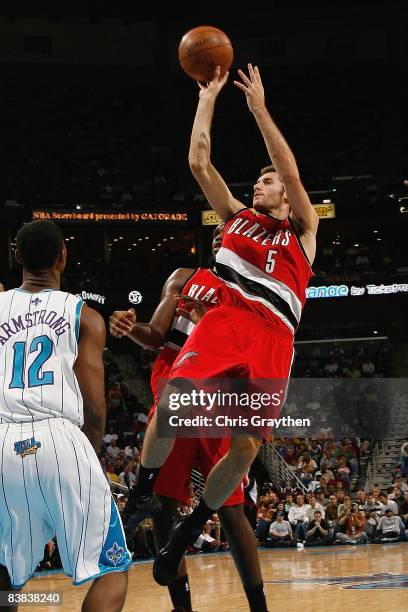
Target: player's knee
(174,399)
(243,450)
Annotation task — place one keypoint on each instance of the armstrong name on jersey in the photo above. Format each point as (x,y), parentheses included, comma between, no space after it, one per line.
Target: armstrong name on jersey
(30,319)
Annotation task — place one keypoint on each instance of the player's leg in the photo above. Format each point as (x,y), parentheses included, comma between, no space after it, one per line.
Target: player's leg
(5,585)
(173,488)
(228,473)
(222,481)
(107,593)
(154,453)
(179,589)
(244,550)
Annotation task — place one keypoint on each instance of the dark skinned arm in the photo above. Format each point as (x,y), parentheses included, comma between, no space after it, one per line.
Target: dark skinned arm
(89,370)
(151,335)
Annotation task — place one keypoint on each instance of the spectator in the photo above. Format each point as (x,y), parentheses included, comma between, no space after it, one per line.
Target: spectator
(361,499)
(297,516)
(127,477)
(318,531)
(113,450)
(403,510)
(354,523)
(280,532)
(331,513)
(388,503)
(390,527)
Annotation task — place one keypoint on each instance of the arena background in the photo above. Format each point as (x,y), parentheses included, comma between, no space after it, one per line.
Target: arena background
(95,124)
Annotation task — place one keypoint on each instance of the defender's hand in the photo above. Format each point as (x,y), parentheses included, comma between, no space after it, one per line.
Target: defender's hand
(212,88)
(196,313)
(121,322)
(252,88)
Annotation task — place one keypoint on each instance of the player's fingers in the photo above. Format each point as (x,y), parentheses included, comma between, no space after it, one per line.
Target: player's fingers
(251,72)
(115,332)
(257,74)
(244,77)
(241,86)
(224,78)
(187,298)
(121,325)
(181,312)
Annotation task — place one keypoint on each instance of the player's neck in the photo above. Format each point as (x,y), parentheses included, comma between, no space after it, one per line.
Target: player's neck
(46,279)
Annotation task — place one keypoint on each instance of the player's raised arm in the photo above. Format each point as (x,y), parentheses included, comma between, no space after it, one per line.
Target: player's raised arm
(151,335)
(89,370)
(211,182)
(279,151)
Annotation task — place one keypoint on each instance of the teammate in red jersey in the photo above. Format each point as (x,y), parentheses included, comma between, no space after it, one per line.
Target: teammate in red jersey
(265,264)
(170,327)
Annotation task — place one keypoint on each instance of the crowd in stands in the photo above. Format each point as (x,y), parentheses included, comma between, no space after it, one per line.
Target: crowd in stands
(321,507)
(342,360)
(108,146)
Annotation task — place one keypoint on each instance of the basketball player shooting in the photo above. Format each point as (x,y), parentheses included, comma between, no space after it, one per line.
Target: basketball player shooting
(169,328)
(265,264)
(51,367)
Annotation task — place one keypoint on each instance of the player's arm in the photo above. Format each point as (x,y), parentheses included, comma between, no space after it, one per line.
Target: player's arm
(303,213)
(211,182)
(90,373)
(152,335)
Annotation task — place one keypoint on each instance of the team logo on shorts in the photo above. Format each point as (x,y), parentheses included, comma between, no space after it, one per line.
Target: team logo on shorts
(27,447)
(190,356)
(115,553)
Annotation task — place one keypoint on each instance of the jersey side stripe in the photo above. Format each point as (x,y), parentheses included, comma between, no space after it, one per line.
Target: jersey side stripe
(257,280)
(267,304)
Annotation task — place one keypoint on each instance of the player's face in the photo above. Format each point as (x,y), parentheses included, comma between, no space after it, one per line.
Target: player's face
(268,192)
(217,238)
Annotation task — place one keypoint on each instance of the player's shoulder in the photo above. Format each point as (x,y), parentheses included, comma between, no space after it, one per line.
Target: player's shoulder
(178,279)
(91,317)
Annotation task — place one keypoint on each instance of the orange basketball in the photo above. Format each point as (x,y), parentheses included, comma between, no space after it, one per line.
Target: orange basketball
(202,49)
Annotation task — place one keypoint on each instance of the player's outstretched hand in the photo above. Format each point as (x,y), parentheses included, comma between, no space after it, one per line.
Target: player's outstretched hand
(121,322)
(212,88)
(252,87)
(196,311)
(406,183)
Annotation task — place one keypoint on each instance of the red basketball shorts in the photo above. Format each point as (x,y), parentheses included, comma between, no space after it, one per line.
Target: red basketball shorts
(230,342)
(202,453)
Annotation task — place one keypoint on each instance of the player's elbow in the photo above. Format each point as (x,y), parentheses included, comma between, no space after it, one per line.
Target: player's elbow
(199,156)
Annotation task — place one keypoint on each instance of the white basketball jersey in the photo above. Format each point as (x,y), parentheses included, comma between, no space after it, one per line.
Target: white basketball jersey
(38,349)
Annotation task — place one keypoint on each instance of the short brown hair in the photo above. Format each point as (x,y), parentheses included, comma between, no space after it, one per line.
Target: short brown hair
(266,169)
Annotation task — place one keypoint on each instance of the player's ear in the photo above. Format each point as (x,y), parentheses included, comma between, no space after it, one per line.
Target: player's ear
(62,258)
(18,256)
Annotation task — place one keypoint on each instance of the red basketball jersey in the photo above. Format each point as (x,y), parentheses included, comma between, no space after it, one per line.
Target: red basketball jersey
(264,267)
(203,284)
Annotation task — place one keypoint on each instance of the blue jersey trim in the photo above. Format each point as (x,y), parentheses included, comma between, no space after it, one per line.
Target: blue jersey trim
(78,318)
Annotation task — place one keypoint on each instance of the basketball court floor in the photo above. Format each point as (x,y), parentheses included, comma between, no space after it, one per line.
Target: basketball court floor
(369,577)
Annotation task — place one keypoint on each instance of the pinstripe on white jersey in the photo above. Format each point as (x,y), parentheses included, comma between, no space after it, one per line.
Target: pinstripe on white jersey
(38,350)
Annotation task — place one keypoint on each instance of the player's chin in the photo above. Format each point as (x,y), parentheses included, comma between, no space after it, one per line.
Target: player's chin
(259,206)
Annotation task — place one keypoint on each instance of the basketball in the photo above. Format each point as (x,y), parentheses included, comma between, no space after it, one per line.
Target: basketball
(202,49)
